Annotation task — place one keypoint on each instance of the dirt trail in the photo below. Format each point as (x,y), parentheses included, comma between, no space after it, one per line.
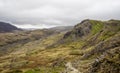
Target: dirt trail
(70,68)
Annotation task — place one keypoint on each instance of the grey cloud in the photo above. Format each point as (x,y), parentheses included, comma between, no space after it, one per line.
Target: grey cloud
(46,13)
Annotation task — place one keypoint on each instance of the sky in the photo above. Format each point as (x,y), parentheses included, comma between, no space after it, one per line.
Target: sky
(49,13)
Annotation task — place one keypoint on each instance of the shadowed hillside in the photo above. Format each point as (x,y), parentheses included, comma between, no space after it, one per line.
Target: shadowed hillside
(6,27)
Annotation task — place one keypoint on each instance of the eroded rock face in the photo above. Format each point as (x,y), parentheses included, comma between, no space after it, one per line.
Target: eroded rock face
(110,63)
(80,30)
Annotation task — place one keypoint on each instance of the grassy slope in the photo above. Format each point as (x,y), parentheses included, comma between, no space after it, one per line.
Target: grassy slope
(50,54)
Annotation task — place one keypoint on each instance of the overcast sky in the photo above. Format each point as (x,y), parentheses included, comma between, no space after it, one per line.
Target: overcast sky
(49,13)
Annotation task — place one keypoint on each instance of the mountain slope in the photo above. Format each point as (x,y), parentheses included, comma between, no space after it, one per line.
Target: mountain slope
(93,39)
(6,27)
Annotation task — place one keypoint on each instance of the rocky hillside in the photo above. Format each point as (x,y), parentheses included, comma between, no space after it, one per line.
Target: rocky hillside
(92,46)
(99,41)
(6,27)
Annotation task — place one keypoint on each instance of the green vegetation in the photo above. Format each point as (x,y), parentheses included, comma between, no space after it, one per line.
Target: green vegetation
(97,26)
(45,70)
(106,35)
(32,71)
(15,71)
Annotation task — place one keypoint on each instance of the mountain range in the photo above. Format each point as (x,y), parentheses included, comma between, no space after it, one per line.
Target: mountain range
(91,46)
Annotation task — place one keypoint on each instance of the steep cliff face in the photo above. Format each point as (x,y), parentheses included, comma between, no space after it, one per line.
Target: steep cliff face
(79,30)
(6,27)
